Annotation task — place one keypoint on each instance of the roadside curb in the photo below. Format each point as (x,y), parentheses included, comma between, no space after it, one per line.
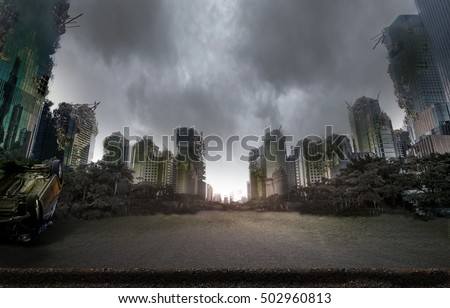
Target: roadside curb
(219,278)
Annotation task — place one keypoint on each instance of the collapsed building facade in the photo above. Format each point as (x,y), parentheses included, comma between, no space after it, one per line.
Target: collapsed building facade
(27,42)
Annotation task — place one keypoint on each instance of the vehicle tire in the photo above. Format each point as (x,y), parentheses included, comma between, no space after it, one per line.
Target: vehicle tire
(57,169)
(34,207)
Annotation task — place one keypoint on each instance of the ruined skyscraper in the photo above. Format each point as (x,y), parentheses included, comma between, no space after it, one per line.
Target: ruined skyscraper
(257,182)
(45,144)
(403,142)
(274,162)
(152,166)
(190,171)
(315,159)
(371,128)
(76,129)
(29,36)
(417,84)
(116,149)
(267,166)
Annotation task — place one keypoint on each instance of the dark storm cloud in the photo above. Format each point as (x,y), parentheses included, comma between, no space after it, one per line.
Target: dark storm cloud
(305,42)
(229,65)
(287,42)
(321,47)
(164,107)
(226,66)
(118,30)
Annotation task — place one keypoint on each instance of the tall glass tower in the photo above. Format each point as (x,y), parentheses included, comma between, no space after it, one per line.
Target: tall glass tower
(29,36)
(436,18)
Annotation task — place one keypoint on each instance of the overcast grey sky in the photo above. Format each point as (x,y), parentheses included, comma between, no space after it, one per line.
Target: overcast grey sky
(226,66)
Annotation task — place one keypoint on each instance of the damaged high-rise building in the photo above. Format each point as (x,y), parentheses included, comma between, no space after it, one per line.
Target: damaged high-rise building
(417,84)
(152,166)
(267,166)
(371,128)
(45,145)
(274,162)
(116,149)
(190,168)
(76,129)
(316,159)
(257,182)
(29,36)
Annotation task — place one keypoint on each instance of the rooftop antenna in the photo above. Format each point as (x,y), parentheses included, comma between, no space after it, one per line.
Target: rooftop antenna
(348,105)
(379,38)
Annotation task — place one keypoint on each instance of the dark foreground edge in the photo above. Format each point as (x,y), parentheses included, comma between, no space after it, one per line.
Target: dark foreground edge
(302,278)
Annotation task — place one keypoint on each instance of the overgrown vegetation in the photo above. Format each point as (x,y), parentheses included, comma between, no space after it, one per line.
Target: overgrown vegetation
(104,189)
(95,190)
(366,186)
(373,183)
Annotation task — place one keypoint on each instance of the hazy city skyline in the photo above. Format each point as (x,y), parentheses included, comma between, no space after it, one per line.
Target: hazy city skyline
(227,67)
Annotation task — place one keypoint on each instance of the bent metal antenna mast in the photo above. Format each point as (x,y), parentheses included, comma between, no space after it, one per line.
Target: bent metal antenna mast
(94,105)
(71,22)
(379,38)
